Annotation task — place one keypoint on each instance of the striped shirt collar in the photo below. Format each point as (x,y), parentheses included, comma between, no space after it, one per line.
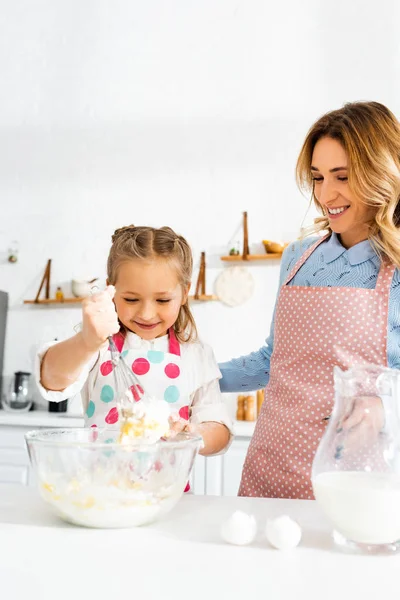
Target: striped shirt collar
(332,249)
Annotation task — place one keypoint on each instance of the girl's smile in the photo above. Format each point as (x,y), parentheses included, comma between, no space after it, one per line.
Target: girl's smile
(146,326)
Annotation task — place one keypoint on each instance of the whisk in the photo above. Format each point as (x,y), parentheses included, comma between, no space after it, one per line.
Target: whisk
(128,388)
(147,420)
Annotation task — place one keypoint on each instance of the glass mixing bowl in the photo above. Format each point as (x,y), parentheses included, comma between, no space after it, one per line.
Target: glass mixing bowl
(89,479)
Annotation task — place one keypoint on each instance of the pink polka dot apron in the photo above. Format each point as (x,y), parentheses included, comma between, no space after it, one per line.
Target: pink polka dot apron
(316,328)
(158,372)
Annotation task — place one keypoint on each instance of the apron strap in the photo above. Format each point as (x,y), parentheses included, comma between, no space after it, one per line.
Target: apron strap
(174,346)
(384,280)
(303,258)
(119,340)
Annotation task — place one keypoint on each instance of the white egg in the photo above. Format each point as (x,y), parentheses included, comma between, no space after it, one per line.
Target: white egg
(283,533)
(240,529)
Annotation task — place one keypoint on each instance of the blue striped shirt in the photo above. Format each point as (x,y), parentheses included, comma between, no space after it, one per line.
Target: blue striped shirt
(329,265)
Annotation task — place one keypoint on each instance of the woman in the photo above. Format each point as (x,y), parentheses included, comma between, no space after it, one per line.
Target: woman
(339,299)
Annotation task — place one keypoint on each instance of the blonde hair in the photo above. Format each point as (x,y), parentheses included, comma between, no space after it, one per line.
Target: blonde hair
(370,135)
(148,243)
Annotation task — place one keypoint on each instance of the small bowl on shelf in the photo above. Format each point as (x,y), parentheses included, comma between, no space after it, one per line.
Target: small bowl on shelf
(273,247)
(82,289)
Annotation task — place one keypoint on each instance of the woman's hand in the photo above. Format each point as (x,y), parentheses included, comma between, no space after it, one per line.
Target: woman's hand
(100,319)
(363,425)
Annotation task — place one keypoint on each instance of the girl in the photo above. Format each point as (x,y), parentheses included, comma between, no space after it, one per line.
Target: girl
(339,299)
(145,307)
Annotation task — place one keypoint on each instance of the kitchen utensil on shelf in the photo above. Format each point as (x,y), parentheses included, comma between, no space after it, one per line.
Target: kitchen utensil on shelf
(234,286)
(273,247)
(356,469)
(249,409)
(81,288)
(240,408)
(19,395)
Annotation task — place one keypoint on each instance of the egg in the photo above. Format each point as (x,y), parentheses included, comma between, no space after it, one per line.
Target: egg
(240,529)
(283,533)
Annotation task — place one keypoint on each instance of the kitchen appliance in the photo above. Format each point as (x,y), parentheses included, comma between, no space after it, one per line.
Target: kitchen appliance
(3,323)
(19,396)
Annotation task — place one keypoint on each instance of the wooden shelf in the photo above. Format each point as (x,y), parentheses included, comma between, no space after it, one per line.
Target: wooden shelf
(54,301)
(239,257)
(245,255)
(204,298)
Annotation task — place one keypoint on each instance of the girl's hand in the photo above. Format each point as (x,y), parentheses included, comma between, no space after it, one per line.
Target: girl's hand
(100,319)
(215,436)
(178,425)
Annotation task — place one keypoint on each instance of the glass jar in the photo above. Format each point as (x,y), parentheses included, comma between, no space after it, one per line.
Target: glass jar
(356,469)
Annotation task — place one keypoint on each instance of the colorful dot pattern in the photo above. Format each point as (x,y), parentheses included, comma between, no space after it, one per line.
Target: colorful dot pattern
(172,371)
(171,394)
(155,356)
(140,366)
(164,367)
(107,394)
(315,329)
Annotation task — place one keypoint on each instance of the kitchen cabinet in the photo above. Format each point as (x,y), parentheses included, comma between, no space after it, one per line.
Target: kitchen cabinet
(220,475)
(14,459)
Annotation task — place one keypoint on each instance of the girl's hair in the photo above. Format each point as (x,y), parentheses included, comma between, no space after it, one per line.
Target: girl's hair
(148,243)
(370,136)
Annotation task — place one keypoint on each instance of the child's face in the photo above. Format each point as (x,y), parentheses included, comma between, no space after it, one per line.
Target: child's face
(148,296)
(348,215)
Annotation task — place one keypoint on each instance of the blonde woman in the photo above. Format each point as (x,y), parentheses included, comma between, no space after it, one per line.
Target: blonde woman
(145,307)
(339,299)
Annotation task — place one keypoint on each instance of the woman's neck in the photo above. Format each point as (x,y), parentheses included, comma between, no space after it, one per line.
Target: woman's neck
(351,238)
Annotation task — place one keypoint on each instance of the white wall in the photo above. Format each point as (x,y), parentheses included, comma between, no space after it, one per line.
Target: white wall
(171,112)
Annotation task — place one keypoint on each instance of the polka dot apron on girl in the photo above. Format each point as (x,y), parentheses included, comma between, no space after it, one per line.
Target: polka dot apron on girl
(316,328)
(158,372)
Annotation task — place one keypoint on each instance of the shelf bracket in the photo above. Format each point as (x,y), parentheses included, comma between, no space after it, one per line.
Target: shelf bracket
(246,250)
(45,280)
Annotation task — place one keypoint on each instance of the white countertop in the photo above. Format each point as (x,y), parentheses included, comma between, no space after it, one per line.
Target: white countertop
(183,556)
(39,418)
(42,418)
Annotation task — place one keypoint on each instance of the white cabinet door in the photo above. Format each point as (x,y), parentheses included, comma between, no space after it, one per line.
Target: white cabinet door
(11,469)
(232,467)
(220,475)
(14,459)
(198,476)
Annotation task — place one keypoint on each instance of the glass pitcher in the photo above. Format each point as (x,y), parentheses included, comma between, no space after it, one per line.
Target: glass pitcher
(356,469)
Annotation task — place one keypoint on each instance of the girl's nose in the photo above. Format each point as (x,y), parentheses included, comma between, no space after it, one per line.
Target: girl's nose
(146,311)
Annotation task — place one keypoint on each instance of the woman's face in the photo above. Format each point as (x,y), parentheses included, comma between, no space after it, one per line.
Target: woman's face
(348,215)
